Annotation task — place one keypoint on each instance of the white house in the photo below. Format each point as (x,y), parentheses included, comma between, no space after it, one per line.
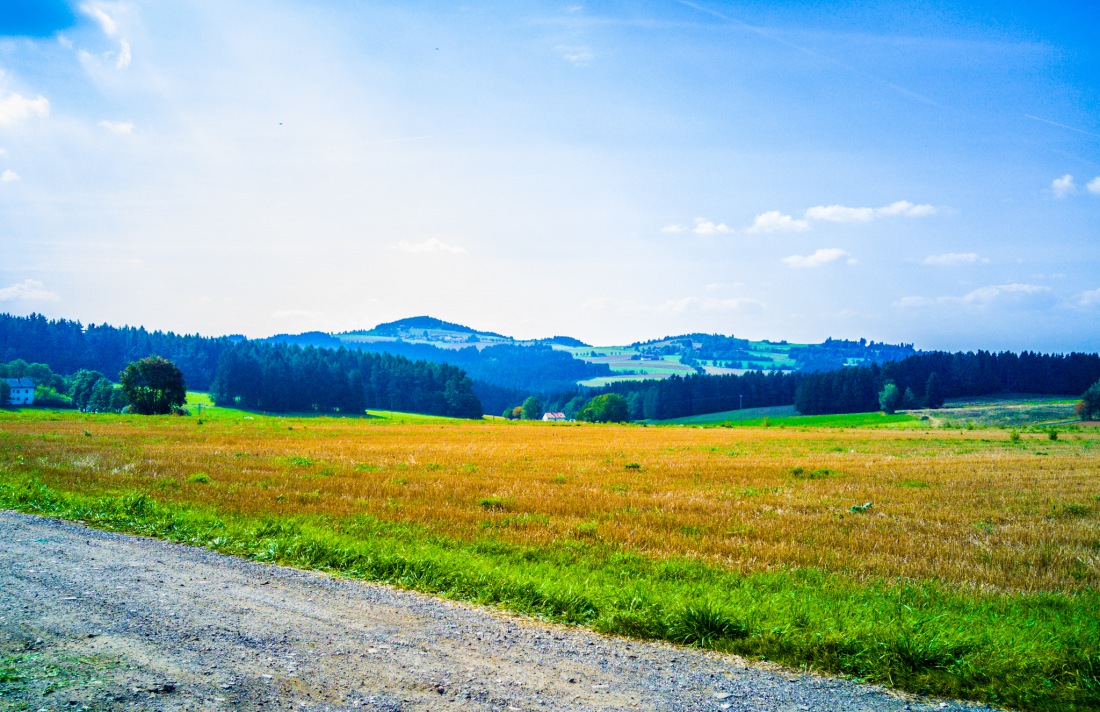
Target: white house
(22,391)
(554,417)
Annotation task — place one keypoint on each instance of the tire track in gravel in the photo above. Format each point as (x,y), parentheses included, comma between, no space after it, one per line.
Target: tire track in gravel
(116,622)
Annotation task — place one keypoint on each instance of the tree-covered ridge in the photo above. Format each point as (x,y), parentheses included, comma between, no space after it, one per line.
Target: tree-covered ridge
(426,323)
(956,375)
(536,368)
(68,346)
(284,378)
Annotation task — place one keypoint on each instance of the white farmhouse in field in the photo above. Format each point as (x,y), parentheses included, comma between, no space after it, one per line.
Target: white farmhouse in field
(554,417)
(22,391)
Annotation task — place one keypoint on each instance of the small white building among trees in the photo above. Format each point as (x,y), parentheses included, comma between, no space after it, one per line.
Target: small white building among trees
(22,391)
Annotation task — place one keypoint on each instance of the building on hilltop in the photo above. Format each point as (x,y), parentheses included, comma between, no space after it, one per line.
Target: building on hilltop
(22,391)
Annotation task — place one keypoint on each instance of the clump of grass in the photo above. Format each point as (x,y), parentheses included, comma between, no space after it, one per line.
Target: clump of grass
(632,466)
(200,478)
(300,460)
(1053,434)
(802,473)
(914,484)
(704,625)
(1014,436)
(492,504)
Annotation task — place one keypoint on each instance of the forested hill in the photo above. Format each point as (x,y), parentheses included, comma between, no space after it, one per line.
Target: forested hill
(282,378)
(928,378)
(68,346)
(257,375)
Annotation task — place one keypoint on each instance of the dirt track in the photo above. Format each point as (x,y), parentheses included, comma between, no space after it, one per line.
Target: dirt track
(93,620)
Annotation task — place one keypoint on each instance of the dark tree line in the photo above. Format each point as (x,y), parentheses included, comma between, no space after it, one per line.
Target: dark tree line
(282,378)
(934,376)
(681,396)
(68,346)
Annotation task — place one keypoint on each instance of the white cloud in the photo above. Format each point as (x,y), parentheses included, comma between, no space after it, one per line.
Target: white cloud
(1061,187)
(954,259)
(124,55)
(16,107)
(840,213)
(123,128)
(29,290)
(430,245)
(1090,298)
(577,56)
(1013,296)
(9,176)
(905,209)
(702,226)
(707,227)
(819,258)
(106,22)
(1093,186)
(775,221)
(296,314)
(711,304)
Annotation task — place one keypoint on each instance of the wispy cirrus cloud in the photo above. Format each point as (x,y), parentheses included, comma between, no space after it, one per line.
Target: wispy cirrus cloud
(430,245)
(955,259)
(1091,298)
(776,221)
(122,128)
(578,56)
(741,305)
(97,13)
(701,226)
(819,258)
(29,290)
(1008,296)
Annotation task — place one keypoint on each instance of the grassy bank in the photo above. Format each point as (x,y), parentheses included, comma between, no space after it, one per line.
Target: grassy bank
(1037,652)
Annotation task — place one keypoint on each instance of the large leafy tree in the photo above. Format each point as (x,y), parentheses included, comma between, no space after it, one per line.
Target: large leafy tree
(606,408)
(153,386)
(532,408)
(1089,406)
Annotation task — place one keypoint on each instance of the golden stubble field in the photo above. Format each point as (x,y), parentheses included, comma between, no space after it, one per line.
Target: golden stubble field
(969,508)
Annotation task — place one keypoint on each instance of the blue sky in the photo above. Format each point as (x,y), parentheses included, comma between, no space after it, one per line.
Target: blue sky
(901,171)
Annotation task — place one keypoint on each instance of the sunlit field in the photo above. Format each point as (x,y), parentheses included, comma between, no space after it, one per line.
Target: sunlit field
(980,508)
(961,562)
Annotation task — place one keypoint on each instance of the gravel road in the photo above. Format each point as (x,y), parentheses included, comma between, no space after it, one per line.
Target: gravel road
(94,620)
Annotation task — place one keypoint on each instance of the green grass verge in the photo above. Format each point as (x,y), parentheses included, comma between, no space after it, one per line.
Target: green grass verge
(787,416)
(1035,652)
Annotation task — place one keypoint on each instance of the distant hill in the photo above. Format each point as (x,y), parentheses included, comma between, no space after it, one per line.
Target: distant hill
(418,325)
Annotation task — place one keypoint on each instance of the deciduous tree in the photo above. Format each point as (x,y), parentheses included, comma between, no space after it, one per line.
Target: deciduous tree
(153,386)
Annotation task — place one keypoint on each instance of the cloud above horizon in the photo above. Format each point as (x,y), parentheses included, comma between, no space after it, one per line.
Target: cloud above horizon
(122,128)
(9,176)
(15,108)
(432,244)
(29,290)
(955,259)
(819,258)
(1015,295)
(777,221)
(1062,188)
